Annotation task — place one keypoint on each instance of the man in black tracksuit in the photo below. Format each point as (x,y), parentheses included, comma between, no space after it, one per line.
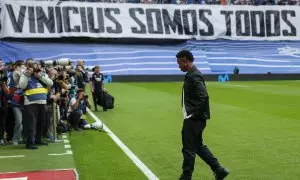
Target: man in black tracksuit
(97,88)
(195,107)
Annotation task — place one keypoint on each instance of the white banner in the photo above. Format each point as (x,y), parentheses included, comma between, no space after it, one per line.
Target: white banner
(29,19)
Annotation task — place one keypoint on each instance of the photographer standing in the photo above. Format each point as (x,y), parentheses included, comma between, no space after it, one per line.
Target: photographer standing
(15,99)
(3,103)
(97,87)
(52,100)
(35,85)
(80,75)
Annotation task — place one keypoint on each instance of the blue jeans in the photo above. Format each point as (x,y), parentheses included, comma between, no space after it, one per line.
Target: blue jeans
(18,124)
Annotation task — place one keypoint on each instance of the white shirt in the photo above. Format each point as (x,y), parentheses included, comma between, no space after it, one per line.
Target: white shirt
(185,116)
(72,101)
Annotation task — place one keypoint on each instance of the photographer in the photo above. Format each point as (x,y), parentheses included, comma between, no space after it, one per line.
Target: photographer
(80,75)
(85,104)
(3,102)
(52,101)
(35,85)
(10,118)
(62,81)
(16,100)
(76,109)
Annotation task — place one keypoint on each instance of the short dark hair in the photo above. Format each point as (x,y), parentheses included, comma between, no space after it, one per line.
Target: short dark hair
(185,53)
(79,90)
(19,62)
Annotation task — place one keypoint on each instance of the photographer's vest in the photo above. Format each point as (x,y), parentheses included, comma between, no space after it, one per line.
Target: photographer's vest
(35,90)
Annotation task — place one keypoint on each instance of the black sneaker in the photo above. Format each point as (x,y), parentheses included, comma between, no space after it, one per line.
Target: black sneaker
(221,173)
(31,146)
(77,129)
(41,143)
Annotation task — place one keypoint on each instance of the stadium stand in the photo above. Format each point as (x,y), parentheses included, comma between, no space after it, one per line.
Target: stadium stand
(220,56)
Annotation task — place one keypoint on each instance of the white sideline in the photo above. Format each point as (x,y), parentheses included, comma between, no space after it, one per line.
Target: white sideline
(149,174)
(17,156)
(68,152)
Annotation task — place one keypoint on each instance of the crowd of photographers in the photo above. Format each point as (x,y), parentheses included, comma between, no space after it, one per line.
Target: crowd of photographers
(37,96)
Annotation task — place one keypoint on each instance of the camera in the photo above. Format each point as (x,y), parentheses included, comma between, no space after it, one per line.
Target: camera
(86,97)
(3,77)
(62,68)
(59,62)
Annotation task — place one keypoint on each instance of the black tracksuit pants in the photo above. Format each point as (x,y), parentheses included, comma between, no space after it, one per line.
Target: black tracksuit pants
(34,120)
(192,142)
(99,96)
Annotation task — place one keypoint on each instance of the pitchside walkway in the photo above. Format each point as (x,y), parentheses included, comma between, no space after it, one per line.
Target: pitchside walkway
(48,162)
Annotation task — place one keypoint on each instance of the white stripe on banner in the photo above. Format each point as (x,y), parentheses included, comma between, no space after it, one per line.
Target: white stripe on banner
(171,57)
(148,69)
(125,52)
(237,45)
(246,59)
(137,58)
(146,63)
(255,65)
(103,53)
(149,174)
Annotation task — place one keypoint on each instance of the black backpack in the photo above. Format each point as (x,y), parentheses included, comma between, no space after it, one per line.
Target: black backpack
(110,100)
(63,127)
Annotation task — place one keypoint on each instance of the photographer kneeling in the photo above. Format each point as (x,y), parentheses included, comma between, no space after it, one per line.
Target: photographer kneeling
(76,109)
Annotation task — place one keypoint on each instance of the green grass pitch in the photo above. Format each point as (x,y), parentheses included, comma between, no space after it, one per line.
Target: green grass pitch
(254,132)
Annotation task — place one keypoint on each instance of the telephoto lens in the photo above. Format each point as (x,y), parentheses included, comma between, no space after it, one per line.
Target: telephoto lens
(59,62)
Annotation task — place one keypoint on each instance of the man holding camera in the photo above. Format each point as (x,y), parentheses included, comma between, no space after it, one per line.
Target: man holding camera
(80,75)
(35,85)
(76,109)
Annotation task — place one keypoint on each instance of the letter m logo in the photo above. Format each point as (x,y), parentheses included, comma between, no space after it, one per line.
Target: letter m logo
(223,78)
(107,79)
